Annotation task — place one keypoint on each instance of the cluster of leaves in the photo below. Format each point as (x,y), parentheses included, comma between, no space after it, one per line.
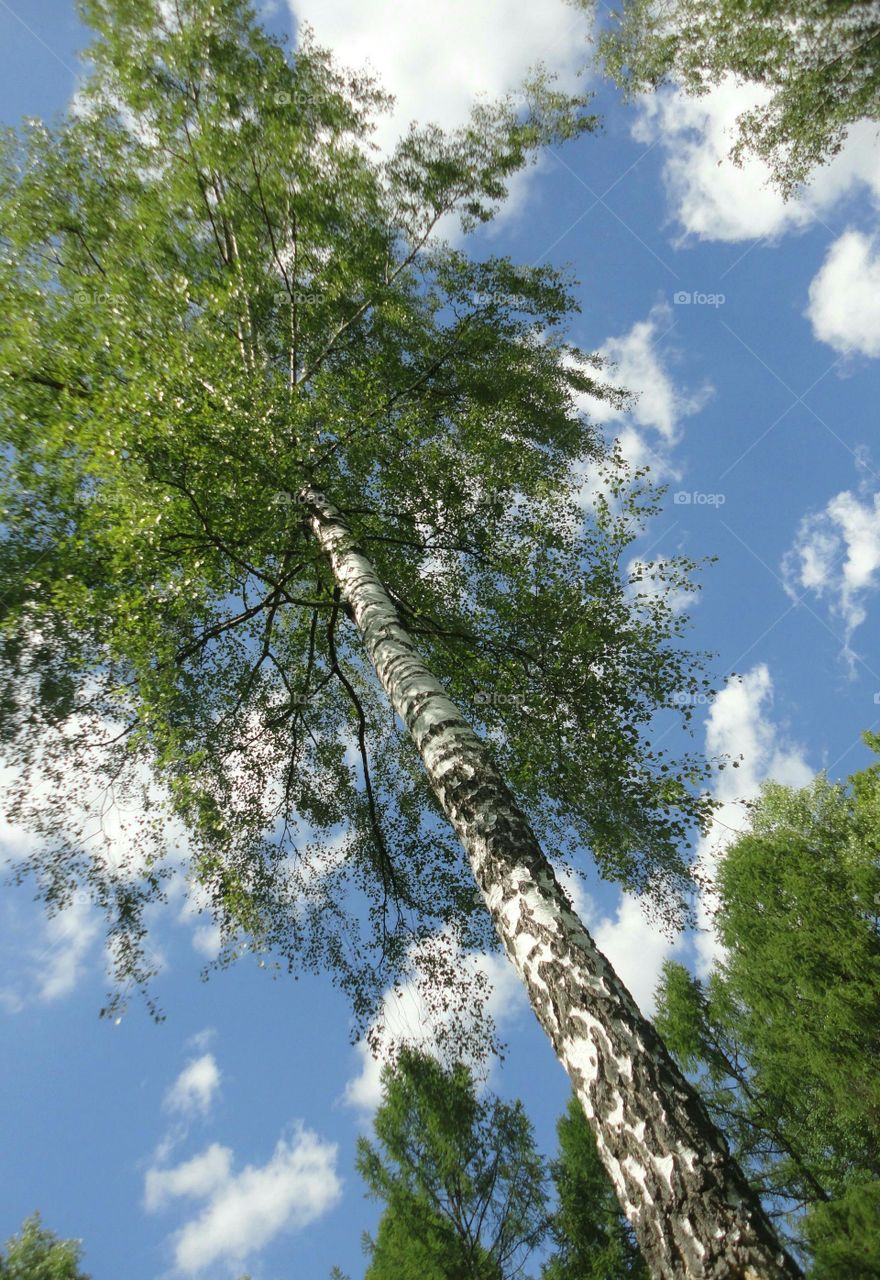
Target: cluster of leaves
(38,1254)
(215,292)
(783,1038)
(818,63)
(466,1193)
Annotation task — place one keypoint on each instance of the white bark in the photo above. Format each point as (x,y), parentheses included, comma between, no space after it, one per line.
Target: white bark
(692,1210)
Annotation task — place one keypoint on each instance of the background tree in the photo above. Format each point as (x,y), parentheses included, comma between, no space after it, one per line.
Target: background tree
(592,1238)
(463,1185)
(38,1254)
(818,63)
(784,1038)
(249,401)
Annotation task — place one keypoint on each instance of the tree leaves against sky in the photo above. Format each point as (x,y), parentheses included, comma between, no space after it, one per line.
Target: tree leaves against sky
(819,64)
(783,1039)
(215,292)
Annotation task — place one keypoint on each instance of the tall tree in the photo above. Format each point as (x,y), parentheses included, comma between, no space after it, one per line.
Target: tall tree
(593,1240)
(818,66)
(38,1254)
(255,416)
(463,1185)
(783,1038)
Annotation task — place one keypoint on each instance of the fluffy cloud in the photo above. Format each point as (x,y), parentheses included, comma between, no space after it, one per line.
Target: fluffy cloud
(405,1018)
(245,1211)
(437,56)
(636,947)
(738,725)
(198,1178)
(844,306)
(836,555)
(66,940)
(714,199)
(641,366)
(206,938)
(638,363)
(69,938)
(195,1088)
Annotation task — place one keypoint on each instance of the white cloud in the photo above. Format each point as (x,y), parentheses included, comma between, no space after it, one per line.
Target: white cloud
(438,57)
(58,962)
(636,947)
(245,1211)
(836,554)
(844,306)
(435,57)
(714,199)
(642,367)
(198,1178)
(207,939)
(195,1088)
(648,430)
(711,197)
(201,1039)
(405,1018)
(738,725)
(69,937)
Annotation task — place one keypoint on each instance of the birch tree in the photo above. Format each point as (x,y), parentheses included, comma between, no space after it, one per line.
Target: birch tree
(277,462)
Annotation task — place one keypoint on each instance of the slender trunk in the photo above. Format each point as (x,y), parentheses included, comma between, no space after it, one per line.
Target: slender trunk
(692,1209)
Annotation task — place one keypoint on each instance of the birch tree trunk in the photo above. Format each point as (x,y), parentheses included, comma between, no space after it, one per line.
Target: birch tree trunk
(693,1212)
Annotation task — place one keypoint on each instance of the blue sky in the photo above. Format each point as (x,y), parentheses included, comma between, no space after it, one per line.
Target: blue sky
(222,1140)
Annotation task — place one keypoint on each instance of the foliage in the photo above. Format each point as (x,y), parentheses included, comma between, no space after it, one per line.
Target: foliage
(818,65)
(843,1235)
(783,1038)
(215,292)
(463,1185)
(38,1254)
(592,1237)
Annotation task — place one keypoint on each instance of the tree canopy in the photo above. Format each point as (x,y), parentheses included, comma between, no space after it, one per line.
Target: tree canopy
(463,1185)
(467,1195)
(38,1254)
(815,66)
(783,1038)
(215,292)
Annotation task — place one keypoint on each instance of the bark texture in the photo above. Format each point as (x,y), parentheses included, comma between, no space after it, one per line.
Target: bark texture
(692,1209)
